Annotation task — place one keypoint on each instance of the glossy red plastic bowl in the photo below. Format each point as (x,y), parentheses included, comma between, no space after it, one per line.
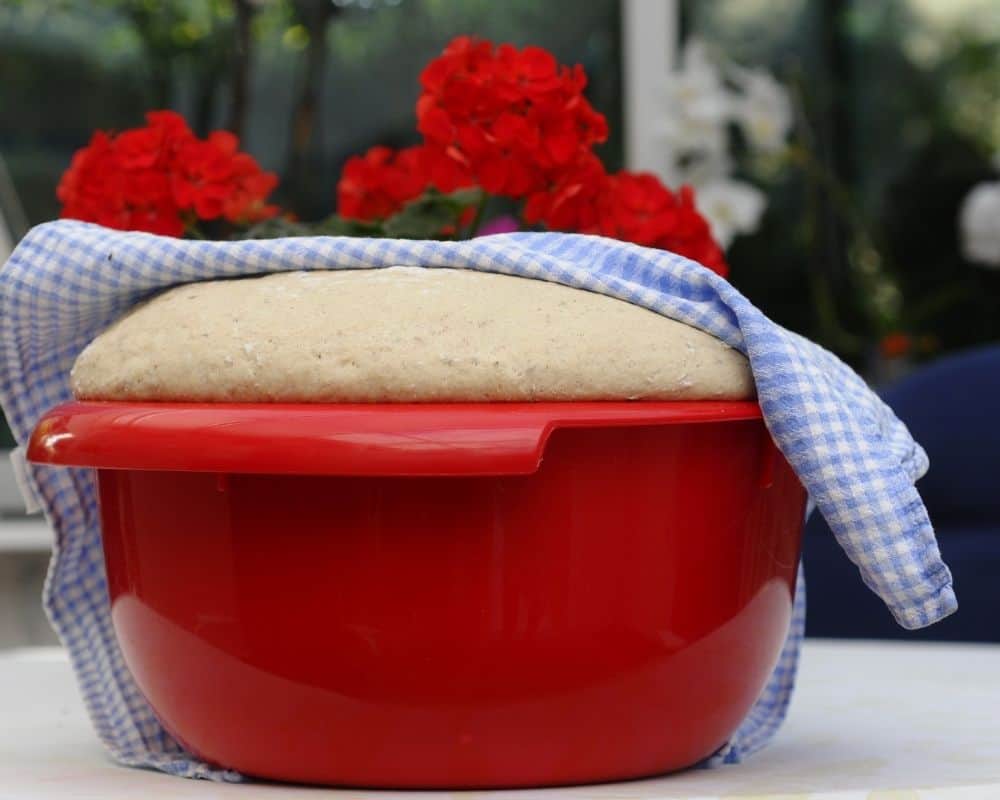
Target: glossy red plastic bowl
(433,596)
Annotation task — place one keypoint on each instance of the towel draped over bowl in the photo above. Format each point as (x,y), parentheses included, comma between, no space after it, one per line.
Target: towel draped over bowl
(68,281)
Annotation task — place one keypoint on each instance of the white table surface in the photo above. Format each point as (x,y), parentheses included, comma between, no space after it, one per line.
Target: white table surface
(878,721)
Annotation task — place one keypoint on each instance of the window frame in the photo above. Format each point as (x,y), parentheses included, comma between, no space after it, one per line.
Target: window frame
(650,40)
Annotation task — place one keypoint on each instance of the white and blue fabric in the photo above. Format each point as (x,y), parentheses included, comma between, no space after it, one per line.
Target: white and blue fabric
(67,281)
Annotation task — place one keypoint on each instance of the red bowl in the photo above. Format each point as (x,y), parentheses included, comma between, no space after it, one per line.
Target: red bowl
(476,595)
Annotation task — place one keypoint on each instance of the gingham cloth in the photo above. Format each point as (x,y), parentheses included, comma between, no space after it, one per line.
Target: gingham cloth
(67,281)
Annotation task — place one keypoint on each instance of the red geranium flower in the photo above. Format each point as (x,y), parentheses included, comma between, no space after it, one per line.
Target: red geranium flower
(516,123)
(514,118)
(250,186)
(574,201)
(379,183)
(633,207)
(639,208)
(376,184)
(216,180)
(98,188)
(156,177)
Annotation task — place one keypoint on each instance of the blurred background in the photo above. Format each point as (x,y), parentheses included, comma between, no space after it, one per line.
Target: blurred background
(846,153)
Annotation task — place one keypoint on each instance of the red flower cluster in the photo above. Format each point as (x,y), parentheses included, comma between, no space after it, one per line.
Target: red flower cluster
(633,207)
(516,123)
(514,118)
(160,176)
(378,184)
(575,201)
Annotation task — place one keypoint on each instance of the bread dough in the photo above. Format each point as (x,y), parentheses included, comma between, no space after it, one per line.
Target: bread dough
(401,334)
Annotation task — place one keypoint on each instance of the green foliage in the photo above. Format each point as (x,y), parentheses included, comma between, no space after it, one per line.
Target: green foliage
(433,215)
(282,227)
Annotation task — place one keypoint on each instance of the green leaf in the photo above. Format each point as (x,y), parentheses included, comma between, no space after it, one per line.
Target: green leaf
(275,228)
(424,217)
(428,216)
(338,226)
(466,197)
(279,227)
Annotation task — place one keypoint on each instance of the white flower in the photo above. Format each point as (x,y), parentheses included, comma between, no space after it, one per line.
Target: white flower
(764,110)
(697,105)
(731,208)
(698,85)
(702,167)
(979,223)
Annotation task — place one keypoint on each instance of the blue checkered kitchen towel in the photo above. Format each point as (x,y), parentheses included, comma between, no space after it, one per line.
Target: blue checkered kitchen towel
(67,281)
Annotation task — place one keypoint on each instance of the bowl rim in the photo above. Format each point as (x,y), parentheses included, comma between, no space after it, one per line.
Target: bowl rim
(401,439)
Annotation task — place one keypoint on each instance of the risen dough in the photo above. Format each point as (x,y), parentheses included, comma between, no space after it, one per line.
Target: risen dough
(401,334)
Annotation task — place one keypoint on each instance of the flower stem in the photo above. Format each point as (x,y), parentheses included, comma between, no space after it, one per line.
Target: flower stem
(831,332)
(865,256)
(879,296)
(477,220)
